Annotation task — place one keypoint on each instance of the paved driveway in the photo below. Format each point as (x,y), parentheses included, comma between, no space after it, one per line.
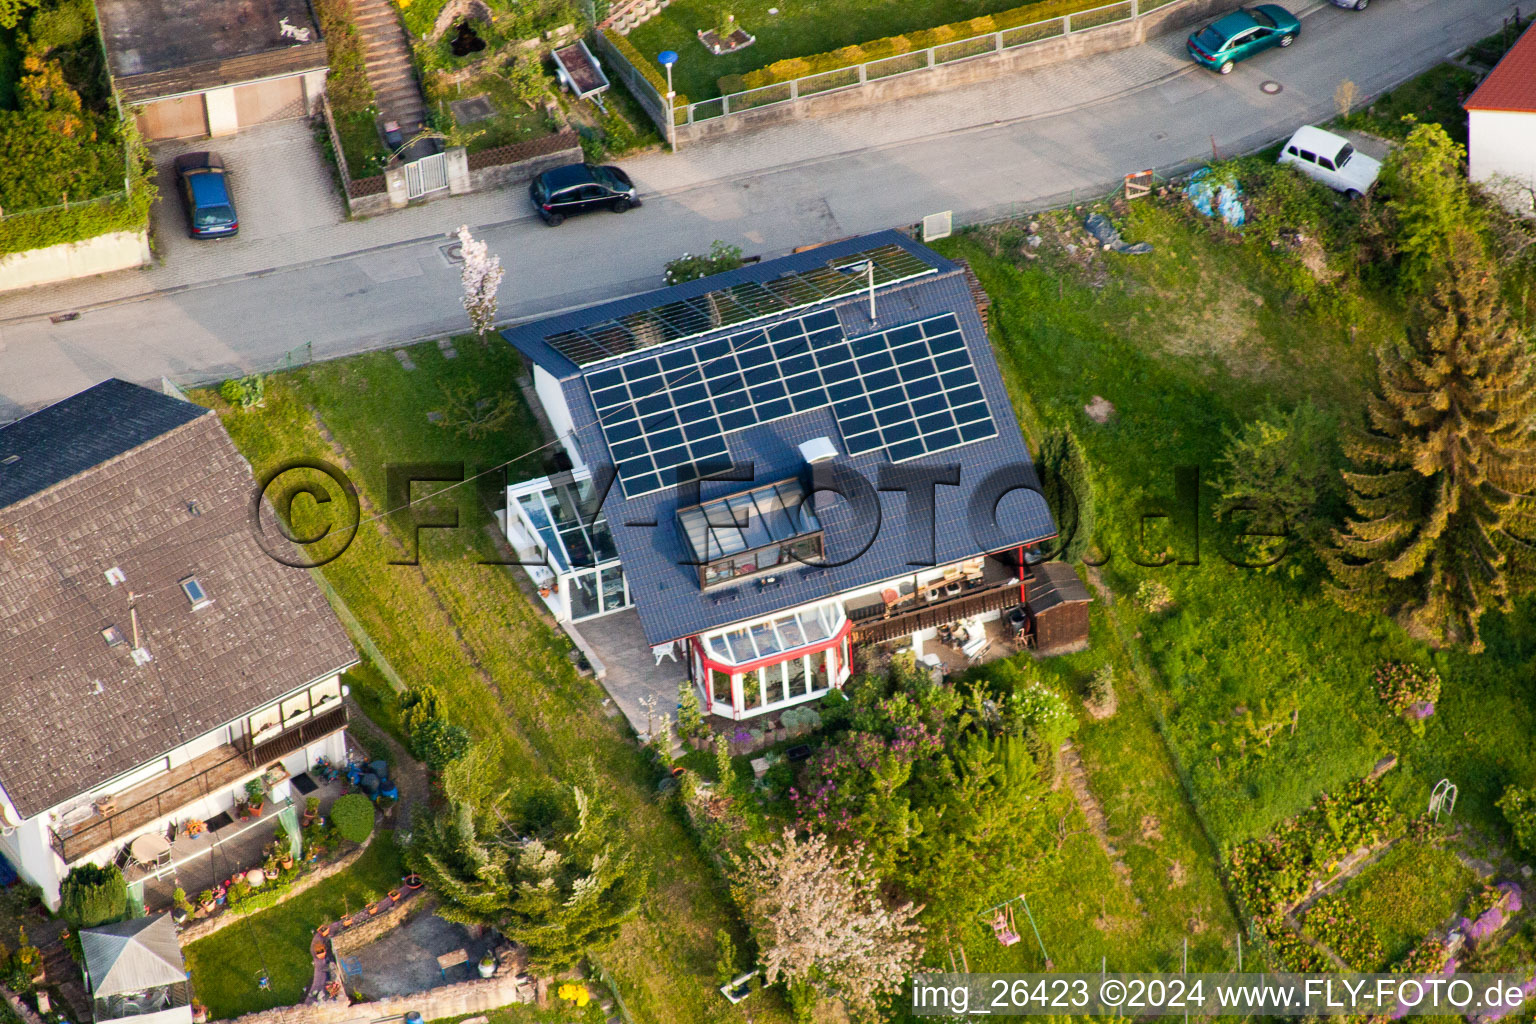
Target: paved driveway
(283,191)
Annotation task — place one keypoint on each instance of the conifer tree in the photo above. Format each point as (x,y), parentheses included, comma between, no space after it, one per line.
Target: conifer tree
(1444,472)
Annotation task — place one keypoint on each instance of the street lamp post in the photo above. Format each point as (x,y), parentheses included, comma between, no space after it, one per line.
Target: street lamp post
(667,58)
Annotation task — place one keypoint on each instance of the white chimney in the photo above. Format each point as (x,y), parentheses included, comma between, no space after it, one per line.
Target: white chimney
(819,449)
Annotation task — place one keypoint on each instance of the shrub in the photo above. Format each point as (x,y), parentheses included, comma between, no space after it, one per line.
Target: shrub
(347,83)
(60,25)
(690,718)
(1519,806)
(688,267)
(93,895)
(1283,468)
(244,392)
(725,957)
(1406,689)
(438,743)
(1154,596)
(648,68)
(1101,702)
(728,84)
(1068,490)
(1041,712)
(352,816)
(418,705)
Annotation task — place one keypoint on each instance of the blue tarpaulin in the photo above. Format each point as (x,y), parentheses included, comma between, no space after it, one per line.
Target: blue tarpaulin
(1223,199)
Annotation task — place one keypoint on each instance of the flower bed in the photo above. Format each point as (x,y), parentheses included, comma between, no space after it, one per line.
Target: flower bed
(1410,691)
(1331,922)
(1272,874)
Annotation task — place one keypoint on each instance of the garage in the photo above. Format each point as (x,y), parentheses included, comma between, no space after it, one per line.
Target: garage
(276,100)
(214,67)
(184,117)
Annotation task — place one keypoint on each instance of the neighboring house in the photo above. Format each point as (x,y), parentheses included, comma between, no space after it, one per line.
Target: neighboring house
(1501,127)
(134,969)
(156,659)
(213,67)
(779,366)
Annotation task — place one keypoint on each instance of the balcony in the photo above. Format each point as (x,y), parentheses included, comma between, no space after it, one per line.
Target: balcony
(991,588)
(218,770)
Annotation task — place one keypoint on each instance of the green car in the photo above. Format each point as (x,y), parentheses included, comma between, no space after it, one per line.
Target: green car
(1242,34)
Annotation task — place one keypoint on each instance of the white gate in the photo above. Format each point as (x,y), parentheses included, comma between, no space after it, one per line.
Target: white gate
(429,174)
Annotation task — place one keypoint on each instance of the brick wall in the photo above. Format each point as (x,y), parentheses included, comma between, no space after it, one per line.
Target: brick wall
(565,138)
(522,161)
(207,926)
(476,996)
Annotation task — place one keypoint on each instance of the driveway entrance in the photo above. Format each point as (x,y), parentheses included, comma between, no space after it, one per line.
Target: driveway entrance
(283,194)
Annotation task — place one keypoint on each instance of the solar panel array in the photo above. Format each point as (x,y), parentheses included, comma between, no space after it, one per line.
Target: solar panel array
(912,390)
(726,307)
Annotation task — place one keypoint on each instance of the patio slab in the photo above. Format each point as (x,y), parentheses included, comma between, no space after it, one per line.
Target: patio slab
(630,670)
(405,959)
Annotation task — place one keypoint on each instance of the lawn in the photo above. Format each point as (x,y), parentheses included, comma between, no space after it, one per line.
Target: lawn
(225,966)
(1412,891)
(797,30)
(1187,343)
(471,630)
(512,120)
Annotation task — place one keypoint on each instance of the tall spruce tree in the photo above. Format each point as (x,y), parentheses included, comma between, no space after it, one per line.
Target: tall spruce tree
(1444,472)
(560,892)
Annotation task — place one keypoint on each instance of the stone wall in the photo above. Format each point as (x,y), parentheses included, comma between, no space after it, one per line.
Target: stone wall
(205,927)
(359,935)
(118,250)
(522,161)
(476,996)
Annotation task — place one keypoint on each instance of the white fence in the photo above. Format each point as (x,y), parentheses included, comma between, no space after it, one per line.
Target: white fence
(915,61)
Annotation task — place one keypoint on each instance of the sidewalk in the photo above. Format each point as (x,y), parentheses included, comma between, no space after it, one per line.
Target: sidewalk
(983,151)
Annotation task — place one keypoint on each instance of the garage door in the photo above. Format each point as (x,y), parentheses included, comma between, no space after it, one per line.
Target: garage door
(276,100)
(183,118)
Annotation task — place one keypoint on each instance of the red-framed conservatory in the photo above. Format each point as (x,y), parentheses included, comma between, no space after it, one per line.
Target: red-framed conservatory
(754,668)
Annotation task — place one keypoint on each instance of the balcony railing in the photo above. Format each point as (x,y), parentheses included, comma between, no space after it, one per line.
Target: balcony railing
(201,777)
(878,627)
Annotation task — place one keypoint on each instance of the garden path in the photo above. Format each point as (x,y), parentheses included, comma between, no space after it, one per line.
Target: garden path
(1076,778)
(388,56)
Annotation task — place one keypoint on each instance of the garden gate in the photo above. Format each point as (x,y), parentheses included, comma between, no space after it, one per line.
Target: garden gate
(429,174)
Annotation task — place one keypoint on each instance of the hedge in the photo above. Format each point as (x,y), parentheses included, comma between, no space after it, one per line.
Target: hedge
(25,231)
(922,39)
(646,68)
(347,82)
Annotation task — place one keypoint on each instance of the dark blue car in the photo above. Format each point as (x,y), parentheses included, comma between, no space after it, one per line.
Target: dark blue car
(205,196)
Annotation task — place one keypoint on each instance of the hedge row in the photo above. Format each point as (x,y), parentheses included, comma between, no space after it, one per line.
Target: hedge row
(25,231)
(891,46)
(648,69)
(347,83)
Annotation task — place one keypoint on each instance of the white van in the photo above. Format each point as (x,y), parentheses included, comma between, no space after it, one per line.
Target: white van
(1332,160)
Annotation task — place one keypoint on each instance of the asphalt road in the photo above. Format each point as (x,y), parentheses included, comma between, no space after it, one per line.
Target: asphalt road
(1022,143)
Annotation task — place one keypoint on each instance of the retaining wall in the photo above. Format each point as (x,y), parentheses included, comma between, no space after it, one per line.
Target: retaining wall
(478,995)
(201,929)
(119,250)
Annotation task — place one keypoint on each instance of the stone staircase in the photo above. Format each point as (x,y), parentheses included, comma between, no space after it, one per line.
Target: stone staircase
(388,55)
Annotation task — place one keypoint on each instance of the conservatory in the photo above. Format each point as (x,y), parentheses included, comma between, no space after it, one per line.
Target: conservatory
(564,541)
(753,668)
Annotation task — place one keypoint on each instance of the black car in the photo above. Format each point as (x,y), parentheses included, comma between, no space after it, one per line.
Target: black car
(578,188)
(205,196)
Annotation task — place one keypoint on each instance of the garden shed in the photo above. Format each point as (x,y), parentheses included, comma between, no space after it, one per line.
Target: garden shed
(134,969)
(1056,606)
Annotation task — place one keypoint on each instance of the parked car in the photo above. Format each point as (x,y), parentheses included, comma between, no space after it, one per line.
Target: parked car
(1354,5)
(204,189)
(1242,34)
(1332,160)
(578,188)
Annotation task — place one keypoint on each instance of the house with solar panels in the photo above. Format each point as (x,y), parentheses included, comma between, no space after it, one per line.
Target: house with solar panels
(772,467)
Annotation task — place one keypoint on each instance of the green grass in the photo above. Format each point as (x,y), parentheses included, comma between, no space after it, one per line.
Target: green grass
(225,966)
(798,30)
(1188,342)
(513,120)
(1435,96)
(472,632)
(1412,891)
(360,144)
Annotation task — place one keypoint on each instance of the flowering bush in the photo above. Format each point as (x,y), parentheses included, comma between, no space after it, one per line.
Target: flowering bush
(1429,957)
(1490,910)
(1331,923)
(1519,806)
(1408,690)
(1154,596)
(690,267)
(1295,953)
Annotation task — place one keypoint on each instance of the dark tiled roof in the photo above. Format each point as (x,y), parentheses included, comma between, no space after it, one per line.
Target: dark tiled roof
(76,712)
(666,590)
(1512,84)
(1054,583)
(85,430)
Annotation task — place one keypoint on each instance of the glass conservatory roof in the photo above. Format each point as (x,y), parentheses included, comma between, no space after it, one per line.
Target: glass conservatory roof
(747,521)
(562,515)
(804,627)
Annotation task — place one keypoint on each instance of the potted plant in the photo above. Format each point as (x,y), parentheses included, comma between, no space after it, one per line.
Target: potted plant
(256,795)
(413,881)
(487,965)
(371,897)
(394,895)
(311,811)
(270,868)
(199,1013)
(183,905)
(206,901)
(318,949)
(243,810)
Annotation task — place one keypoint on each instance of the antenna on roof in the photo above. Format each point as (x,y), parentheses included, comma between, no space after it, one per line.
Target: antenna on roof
(140,653)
